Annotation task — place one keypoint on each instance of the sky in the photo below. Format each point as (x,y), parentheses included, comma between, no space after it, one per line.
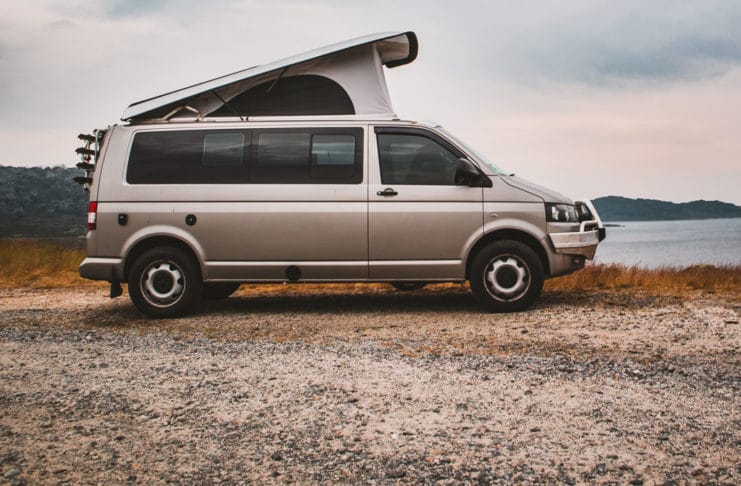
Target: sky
(590,98)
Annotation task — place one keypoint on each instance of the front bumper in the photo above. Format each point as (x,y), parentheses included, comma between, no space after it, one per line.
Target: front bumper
(583,242)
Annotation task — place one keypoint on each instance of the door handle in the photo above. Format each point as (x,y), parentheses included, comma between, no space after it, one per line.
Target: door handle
(387,192)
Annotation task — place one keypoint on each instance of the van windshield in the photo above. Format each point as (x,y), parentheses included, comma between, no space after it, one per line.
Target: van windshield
(479,156)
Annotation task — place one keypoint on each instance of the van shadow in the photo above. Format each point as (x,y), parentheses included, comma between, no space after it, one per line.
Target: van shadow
(399,303)
(425,301)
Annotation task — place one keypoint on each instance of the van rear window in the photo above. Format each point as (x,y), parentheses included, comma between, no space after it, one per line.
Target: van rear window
(267,156)
(189,157)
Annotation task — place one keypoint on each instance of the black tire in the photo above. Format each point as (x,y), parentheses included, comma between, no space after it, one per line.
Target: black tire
(408,286)
(506,276)
(219,290)
(165,282)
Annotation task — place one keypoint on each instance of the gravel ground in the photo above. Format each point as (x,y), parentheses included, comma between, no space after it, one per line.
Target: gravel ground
(366,384)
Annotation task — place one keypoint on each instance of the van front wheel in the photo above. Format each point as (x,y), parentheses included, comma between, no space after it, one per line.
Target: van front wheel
(165,282)
(506,276)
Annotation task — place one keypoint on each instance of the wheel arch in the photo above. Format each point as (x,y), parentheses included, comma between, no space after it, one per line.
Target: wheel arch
(154,241)
(509,234)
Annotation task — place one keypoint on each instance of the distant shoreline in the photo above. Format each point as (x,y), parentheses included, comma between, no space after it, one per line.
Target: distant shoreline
(619,209)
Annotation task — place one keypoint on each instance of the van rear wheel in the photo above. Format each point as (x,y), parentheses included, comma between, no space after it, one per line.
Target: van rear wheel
(506,276)
(165,282)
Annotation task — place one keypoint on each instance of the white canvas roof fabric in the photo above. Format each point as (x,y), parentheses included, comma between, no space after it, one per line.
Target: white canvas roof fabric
(356,65)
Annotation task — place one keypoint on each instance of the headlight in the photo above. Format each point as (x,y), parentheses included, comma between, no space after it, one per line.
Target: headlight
(560,213)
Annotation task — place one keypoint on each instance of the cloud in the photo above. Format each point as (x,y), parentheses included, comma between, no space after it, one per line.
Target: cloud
(128,8)
(620,44)
(681,58)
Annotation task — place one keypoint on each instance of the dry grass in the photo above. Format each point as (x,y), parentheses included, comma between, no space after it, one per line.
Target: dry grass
(43,264)
(661,280)
(39,264)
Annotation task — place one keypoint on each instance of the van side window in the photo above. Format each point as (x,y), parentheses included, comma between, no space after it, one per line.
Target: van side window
(223,149)
(281,157)
(307,156)
(415,160)
(189,157)
(332,156)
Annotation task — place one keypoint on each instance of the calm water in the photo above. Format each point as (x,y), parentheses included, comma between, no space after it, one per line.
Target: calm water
(677,243)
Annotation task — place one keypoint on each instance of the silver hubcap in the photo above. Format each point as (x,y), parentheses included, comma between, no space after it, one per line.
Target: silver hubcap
(507,278)
(162,283)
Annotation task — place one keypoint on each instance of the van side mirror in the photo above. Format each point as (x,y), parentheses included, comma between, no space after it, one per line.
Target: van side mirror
(467,174)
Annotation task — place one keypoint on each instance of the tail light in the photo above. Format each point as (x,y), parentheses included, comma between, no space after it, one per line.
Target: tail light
(92,215)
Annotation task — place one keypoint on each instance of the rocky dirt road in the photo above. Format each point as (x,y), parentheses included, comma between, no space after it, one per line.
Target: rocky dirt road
(367,384)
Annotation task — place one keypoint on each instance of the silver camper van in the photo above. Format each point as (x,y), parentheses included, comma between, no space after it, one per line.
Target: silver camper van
(299,171)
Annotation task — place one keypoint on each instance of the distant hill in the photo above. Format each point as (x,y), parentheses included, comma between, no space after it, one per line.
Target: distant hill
(41,202)
(44,202)
(616,208)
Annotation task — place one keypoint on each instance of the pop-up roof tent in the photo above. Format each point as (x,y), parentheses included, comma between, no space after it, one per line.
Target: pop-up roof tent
(342,79)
